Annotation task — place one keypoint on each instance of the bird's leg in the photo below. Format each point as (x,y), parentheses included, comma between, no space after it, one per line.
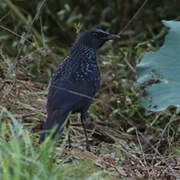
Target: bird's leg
(84,124)
(69,135)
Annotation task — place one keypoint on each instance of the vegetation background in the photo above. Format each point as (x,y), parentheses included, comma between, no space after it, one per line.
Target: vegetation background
(130,142)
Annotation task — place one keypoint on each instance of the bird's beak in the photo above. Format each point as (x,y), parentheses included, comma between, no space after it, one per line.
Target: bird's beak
(112,36)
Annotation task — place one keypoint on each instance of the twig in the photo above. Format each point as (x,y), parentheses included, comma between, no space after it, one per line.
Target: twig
(157,152)
(142,151)
(14,33)
(135,15)
(4,16)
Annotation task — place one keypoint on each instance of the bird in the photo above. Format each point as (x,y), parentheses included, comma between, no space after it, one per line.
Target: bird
(74,84)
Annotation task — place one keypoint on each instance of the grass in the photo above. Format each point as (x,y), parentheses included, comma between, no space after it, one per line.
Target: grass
(23,158)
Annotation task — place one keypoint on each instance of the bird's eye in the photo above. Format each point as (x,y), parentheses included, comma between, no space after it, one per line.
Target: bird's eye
(95,34)
(99,35)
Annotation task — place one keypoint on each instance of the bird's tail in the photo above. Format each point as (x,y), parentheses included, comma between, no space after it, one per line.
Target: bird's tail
(55,119)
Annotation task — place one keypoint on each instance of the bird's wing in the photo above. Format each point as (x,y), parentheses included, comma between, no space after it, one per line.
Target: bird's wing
(67,94)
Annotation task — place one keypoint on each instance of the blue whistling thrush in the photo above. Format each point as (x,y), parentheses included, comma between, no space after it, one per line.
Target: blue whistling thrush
(75,83)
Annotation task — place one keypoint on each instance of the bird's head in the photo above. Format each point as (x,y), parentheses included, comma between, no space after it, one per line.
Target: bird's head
(95,38)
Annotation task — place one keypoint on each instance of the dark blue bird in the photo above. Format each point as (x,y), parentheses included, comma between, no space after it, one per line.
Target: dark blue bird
(75,83)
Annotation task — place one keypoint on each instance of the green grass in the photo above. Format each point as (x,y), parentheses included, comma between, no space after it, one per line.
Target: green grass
(21,157)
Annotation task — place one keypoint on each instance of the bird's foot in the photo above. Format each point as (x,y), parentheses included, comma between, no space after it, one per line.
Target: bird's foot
(70,146)
(88,148)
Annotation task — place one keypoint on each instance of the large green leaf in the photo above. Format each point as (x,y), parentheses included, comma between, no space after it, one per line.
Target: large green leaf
(158,74)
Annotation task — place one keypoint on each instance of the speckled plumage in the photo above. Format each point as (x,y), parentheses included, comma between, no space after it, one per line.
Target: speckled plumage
(79,73)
